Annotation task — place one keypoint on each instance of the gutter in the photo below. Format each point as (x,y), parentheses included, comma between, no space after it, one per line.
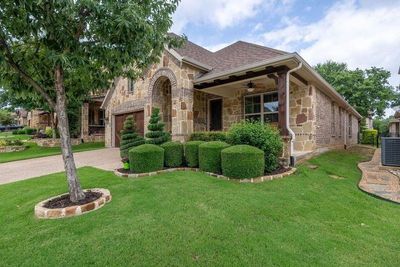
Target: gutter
(291,133)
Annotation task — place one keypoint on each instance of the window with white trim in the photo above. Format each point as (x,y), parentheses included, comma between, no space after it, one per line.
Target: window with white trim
(131,86)
(261,107)
(350,126)
(333,119)
(340,122)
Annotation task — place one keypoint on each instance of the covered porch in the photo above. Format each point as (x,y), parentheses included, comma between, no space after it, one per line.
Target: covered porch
(92,120)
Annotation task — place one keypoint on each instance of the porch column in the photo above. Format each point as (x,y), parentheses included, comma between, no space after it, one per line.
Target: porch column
(182,114)
(281,84)
(85,120)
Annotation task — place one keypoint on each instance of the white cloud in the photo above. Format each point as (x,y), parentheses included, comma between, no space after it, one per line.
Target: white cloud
(361,35)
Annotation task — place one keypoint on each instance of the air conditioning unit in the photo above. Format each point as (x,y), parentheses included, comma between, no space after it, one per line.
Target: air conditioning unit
(391,151)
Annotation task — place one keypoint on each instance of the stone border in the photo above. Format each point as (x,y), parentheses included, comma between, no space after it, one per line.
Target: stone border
(45,213)
(219,176)
(8,149)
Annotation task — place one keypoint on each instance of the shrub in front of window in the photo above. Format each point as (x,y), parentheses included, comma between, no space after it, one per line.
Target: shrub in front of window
(242,161)
(29,131)
(369,137)
(146,158)
(173,154)
(262,136)
(156,134)
(129,137)
(192,153)
(208,136)
(210,156)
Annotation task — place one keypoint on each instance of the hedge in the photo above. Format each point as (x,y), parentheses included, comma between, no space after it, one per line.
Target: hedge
(369,137)
(173,154)
(210,156)
(192,153)
(208,136)
(146,158)
(242,161)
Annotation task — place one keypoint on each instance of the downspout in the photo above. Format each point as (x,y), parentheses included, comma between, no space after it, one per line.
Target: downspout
(291,133)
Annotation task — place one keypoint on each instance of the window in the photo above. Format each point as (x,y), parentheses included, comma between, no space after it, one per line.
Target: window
(333,119)
(263,107)
(101,117)
(350,124)
(340,122)
(131,86)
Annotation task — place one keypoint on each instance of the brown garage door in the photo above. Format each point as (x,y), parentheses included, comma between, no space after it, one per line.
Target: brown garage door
(119,123)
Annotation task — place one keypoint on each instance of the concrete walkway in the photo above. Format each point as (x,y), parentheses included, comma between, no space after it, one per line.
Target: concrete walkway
(105,159)
(377,181)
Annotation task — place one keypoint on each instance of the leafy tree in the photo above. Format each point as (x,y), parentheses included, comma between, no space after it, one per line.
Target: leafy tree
(5,117)
(60,49)
(129,137)
(156,134)
(382,125)
(367,90)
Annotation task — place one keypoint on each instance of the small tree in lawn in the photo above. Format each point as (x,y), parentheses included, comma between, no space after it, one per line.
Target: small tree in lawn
(156,134)
(129,137)
(60,49)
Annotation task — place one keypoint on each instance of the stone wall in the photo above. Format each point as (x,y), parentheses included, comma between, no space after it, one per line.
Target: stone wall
(6,149)
(50,142)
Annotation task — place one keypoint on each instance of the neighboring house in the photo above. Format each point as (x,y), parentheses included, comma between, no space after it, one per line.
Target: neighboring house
(92,119)
(394,125)
(199,90)
(369,122)
(22,117)
(38,119)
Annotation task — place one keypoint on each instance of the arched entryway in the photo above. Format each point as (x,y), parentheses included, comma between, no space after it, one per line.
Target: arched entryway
(162,99)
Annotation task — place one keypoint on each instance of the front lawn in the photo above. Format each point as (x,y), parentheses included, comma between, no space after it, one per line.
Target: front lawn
(35,151)
(9,135)
(189,218)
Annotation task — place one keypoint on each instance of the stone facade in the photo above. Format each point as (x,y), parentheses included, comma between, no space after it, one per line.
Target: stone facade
(50,142)
(168,85)
(39,119)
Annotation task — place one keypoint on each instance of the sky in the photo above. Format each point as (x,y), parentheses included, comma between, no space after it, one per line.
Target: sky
(361,33)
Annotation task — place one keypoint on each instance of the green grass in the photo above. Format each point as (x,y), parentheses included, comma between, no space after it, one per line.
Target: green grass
(188,218)
(35,151)
(9,135)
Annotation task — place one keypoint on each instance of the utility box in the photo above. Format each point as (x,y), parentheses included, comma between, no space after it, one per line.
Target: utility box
(390,151)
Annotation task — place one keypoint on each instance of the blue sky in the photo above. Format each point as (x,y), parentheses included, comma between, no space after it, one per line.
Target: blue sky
(362,33)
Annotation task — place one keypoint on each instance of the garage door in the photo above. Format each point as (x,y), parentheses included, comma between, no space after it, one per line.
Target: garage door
(119,123)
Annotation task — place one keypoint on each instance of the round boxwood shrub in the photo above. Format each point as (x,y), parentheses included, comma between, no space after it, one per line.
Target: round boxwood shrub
(210,156)
(242,161)
(146,158)
(173,154)
(262,136)
(192,153)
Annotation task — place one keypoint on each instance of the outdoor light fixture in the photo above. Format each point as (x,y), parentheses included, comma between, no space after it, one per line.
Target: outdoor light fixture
(250,87)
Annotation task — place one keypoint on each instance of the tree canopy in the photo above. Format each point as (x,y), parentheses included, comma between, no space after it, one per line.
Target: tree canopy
(368,91)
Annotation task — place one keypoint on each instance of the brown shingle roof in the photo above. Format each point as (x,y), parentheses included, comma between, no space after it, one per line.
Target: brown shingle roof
(233,56)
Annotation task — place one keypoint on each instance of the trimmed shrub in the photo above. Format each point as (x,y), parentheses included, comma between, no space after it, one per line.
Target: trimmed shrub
(210,156)
(156,134)
(29,131)
(173,154)
(129,137)
(242,161)
(208,136)
(15,132)
(262,136)
(369,136)
(192,153)
(22,131)
(146,158)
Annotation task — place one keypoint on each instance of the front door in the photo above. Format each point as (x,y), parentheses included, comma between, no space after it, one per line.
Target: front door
(119,124)
(215,115)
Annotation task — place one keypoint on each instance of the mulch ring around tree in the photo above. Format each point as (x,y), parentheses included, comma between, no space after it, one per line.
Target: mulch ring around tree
(60,206)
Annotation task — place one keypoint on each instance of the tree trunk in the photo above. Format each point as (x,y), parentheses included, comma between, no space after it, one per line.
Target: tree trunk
(75,190)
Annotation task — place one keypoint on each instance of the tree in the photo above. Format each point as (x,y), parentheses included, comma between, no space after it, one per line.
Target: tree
(367,90)
(5,117)
(382,125)
(129,137)
(60,49)
(156,134)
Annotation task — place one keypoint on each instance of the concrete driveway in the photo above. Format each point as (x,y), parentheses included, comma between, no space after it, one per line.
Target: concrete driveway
(105,159)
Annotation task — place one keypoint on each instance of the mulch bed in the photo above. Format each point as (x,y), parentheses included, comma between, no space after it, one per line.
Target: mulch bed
(64,201)
(278,171)
(121,170)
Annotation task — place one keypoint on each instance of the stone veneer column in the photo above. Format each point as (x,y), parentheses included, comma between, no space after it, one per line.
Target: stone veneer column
(182,114)
(85,120)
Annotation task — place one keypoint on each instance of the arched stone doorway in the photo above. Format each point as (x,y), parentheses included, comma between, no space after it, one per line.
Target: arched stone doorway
(162,99)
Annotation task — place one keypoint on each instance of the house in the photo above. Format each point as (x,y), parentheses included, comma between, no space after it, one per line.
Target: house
(38,119)
(200,90)
(394,125)
(92,119)
(22,117)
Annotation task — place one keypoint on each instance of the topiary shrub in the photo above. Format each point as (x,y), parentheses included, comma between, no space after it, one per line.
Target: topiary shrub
(210,156)
(156,134)
(369,136)
(208,136)
(242,161)
(173,154)
(146,158)
(29,131)
(262,136)
(192,153)
(129,137)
